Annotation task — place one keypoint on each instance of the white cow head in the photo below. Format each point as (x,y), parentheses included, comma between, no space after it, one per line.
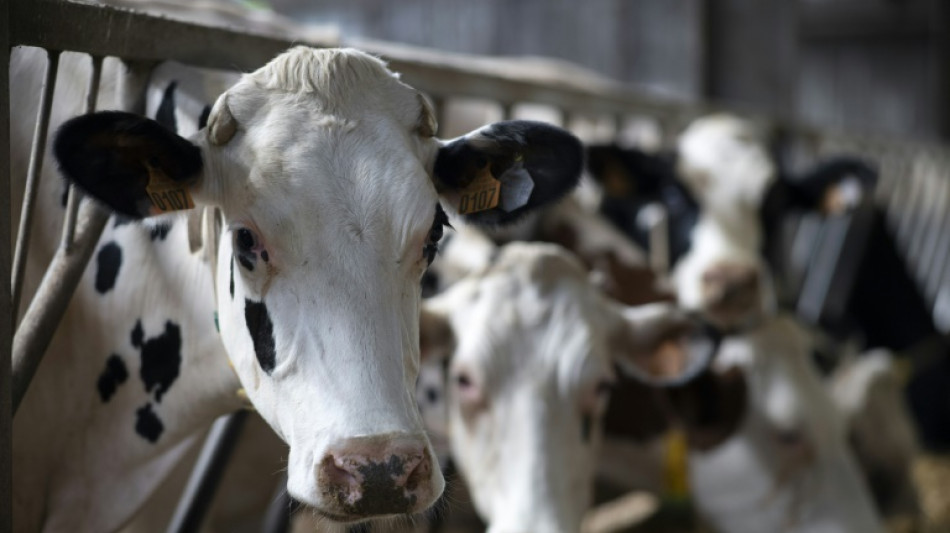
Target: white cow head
(725,200)
(723,162)
(328,177)
(533,349)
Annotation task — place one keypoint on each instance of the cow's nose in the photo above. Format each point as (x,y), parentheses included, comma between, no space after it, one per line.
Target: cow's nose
(378,475)
(730,290)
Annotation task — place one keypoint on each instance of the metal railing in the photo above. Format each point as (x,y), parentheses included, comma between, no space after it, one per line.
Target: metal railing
(916,194)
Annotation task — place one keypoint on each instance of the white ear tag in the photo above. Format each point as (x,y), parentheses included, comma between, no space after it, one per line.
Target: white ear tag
(516,187)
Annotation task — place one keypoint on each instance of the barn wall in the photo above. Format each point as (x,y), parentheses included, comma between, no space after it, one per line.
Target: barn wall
(868,65)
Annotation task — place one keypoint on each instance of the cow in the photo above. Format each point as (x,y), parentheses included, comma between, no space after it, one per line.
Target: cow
(317,183)
(532,350)
(768,451)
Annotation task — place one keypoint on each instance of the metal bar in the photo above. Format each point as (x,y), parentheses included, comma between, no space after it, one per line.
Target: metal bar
(48,306)
(281,509)
(33,178)
(6,303)
(199,493)
(75,196)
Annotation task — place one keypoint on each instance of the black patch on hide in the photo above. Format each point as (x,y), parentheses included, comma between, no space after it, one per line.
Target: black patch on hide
(114,375)
(161,358)
(147,424)
(108,261)
(262,333)
(232,278)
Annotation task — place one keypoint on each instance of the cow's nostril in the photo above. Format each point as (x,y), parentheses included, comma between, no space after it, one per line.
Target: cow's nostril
(370,476)
(417,473)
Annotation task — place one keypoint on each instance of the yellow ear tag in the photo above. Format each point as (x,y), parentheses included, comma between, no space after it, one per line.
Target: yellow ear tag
(166,194)
(482,193)
(675,467)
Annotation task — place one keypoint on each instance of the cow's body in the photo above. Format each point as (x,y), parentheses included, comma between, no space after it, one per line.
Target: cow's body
(327,191)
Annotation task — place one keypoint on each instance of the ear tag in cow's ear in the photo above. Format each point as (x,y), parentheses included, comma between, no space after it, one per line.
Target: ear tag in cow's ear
(481,194)
(675,467)
(166,194)
(516,186)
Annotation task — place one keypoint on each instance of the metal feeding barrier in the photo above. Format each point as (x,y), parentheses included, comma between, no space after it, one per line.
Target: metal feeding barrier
(914,188)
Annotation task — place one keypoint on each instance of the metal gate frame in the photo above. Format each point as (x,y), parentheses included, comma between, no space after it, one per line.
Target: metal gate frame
(61,25)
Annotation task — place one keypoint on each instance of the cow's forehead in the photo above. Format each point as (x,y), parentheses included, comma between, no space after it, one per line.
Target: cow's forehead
(532,314)
(329,141)
(724,161)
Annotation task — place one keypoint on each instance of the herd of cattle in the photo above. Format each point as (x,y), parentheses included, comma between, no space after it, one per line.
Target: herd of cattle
(272,237)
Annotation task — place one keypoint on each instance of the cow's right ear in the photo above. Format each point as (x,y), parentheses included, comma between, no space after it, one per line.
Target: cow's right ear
(132,164)
(662,344)
(499,173)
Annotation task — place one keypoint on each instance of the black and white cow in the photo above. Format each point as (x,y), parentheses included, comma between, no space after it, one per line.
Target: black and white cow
(769,449)
(315,188)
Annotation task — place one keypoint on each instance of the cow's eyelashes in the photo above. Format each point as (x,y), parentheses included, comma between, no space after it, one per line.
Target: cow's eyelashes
(431,247)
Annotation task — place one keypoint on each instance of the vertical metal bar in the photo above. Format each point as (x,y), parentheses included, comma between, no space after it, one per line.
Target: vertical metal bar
(6,304)
(204,480)
(281,509)
(507,110)
(33,177)
(75,196)
(52,297)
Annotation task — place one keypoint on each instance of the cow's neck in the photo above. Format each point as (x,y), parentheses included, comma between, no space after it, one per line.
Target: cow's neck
(144,370)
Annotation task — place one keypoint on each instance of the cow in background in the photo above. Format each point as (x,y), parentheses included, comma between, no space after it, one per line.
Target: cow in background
(532,348)
(783,454)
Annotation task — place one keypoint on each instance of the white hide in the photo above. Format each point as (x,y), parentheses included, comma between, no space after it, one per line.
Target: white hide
(534,349)
(788,468)
(329,173)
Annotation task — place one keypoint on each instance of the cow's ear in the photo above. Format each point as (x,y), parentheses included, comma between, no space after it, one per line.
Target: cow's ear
(833,186)
(625,173)
(132,164)
(436,337)
(662,344)
(500,172)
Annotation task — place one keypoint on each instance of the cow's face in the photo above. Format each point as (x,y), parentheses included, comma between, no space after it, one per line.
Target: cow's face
(723,163)
(533,353)
(328,179)
(724,201)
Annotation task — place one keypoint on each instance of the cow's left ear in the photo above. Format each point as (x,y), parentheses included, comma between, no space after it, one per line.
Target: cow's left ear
(662,344)
(834,185)
(500,172)
(132,164)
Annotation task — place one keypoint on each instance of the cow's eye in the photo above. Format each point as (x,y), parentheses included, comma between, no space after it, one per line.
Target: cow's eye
(244,241)
(431,247)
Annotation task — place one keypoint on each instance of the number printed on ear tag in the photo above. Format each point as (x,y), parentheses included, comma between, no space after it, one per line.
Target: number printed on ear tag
(166,194)
(481,194)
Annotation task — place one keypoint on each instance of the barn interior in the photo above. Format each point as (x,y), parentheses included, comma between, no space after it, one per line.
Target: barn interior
(846,101)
